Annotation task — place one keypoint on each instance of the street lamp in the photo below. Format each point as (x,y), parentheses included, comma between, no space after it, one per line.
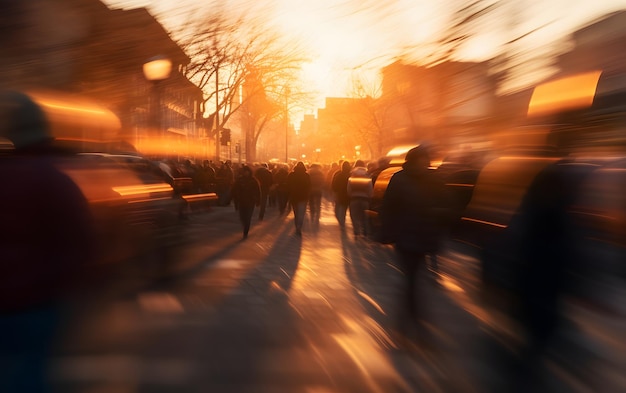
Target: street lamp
(155,70)
(286,125)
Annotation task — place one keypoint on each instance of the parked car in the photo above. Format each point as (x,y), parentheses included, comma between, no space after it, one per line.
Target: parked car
(134,209)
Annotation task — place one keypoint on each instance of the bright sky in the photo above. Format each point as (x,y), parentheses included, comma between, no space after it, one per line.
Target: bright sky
(364,35)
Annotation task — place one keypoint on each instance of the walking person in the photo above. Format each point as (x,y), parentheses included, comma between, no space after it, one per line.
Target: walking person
(340,192)
(265,179)
(412,220)
(246,194)
(299,187)
(360,189)
(282,193)
(224,177)
(317,189)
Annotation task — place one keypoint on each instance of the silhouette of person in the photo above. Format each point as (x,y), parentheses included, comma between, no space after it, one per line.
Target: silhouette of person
(299,186)
(46,239)
(265,178)
(360,190)
(317,189)
(411,219)
(282,193)
(246,194)
(340,191)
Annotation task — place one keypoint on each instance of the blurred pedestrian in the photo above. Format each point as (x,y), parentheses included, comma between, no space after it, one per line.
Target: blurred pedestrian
(412,219)
(206,177)
(47,237)
(282,192)
(317,188)
(246,194)
(360,190)
(299,186)
(340,192)
(328,186)
(224,178)
(265,178)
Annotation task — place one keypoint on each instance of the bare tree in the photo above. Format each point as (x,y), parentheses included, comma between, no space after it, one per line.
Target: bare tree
(368,120)
(225,52)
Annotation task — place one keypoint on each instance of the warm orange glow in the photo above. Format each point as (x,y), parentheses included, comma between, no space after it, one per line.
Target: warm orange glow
(210,196)
(142,189)
(74,117)
(168,146)
(567,93)
(157,69)
(399,150)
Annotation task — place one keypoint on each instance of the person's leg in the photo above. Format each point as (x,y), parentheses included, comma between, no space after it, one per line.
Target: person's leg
(315,202)
(262,205)
(245,215)
(359,215)
(318,206)
(340,211)
(411,312)
(299,210)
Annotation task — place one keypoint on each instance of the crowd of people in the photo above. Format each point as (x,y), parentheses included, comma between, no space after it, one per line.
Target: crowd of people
(299,187)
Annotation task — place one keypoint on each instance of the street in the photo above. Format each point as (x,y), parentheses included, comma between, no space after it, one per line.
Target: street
(282,313)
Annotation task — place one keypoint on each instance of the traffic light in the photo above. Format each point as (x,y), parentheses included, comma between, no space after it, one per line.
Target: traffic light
(225,137)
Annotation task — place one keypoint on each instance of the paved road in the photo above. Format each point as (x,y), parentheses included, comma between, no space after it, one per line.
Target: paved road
(279,313)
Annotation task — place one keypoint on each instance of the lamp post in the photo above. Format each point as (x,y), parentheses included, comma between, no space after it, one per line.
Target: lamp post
(286,125)
(156,70)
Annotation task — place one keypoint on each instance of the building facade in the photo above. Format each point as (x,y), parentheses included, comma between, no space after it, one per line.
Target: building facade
(83,47)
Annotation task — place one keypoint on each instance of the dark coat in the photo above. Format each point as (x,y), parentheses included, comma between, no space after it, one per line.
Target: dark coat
(246,192)
(413,211)
(340,184)
(265,178)
(298,185)
(280,179)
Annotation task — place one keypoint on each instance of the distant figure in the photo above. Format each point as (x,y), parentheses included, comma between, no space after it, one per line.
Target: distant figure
(47,237)
(206,177)
(299,186)
(224,178)
(360,190)
(412,220)
(246,195)
(328,186)
(340,192)
(265,178)
(317,189)
(282,192)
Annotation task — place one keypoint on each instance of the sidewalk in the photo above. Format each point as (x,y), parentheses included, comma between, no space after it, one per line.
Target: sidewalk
(277,313)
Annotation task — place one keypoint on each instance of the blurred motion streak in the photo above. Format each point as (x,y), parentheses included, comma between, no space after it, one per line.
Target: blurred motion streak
(564,94)
(142,189)
(371,301)
(371,362)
